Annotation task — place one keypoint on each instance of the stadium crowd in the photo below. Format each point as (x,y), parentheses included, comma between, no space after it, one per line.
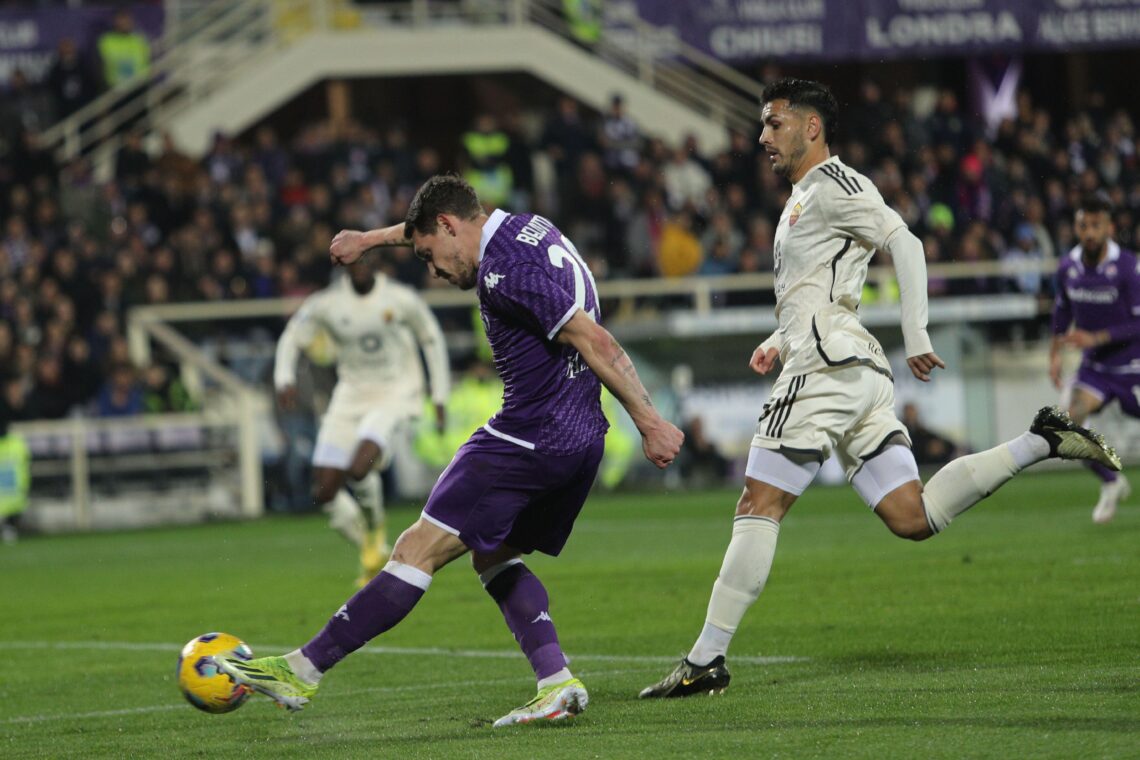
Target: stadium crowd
(253,217)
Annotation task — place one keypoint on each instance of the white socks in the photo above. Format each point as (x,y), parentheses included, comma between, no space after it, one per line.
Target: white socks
(742,577)
(302,667)
(967,480)
(369,492)
(1027,449)
(553,678)
(346,518)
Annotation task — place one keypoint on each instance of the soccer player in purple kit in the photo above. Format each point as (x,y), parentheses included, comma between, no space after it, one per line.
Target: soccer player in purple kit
(1098,297)
(517,485)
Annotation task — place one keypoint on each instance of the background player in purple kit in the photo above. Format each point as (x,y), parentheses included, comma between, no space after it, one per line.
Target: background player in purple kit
(1098,296)
(518,483)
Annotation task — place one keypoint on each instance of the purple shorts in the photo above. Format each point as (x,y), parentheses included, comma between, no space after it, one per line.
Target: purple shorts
(1108,386)
(495,492)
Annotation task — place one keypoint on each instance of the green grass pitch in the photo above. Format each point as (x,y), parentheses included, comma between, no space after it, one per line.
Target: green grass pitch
(1016,633)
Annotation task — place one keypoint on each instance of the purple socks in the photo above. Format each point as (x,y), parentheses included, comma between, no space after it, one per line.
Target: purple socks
(380,605)
(525,606)
(1106,475)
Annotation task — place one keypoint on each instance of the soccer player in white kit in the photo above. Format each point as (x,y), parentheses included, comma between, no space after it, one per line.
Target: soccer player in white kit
(835,392)
(378,327)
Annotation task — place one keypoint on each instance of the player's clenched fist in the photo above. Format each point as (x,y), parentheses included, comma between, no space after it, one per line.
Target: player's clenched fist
(347,246)
(662,444)
(763,360)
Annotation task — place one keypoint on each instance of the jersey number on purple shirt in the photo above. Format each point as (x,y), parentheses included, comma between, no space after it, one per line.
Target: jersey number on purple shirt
(559,256)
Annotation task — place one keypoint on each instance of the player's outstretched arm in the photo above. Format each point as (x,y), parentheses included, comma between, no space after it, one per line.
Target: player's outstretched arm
(922,365)
(766,355)
(660,439)
(350,245)
(298,330)
(910,269)
(1055,360)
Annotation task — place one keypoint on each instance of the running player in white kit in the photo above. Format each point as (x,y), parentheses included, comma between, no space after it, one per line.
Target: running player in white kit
(835,392)
(378,327)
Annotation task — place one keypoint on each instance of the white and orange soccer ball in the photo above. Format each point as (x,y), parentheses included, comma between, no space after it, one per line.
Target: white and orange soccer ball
(199,679)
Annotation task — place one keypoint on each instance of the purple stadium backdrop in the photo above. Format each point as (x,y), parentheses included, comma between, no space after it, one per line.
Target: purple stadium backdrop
(747,30)
(29,36)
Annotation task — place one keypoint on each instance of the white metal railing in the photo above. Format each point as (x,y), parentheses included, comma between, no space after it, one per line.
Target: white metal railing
(84,449)
(241,404)
(700,291)
(201,50)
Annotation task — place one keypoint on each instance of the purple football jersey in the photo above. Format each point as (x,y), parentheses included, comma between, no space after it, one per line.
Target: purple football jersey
(1106,297)
(531,281)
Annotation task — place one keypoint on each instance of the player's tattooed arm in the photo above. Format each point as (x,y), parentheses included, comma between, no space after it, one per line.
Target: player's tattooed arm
(661,440)
(622,364)
(350,245)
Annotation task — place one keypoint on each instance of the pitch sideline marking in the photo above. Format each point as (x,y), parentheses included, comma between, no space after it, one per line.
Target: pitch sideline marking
(500,654)
(336,695)
(20,719)
(425,651)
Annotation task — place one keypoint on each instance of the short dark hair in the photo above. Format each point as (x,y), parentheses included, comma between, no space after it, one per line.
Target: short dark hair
(806,92)
(1095,203)
(442,194)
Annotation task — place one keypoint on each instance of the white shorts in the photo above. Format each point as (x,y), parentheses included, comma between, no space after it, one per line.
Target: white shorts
(848,410)
(363,414)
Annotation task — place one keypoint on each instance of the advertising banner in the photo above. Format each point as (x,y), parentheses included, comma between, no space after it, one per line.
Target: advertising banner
(822,30)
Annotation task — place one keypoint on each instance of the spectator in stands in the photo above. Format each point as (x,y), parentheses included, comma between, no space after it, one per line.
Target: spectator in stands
(121,395)
(584,19)
(132,161)
(163,391)
(974,249)
(270,156)
(620,138)
(519,160)
(643,236)
(686,181)
(564,139)
(82,373)
(124,52)
(946,125)
(974,198)
(70,80)
(15,479)
(51,395)
(24,108)
(701,465)
(487,148)
(1022,262)
(679,252)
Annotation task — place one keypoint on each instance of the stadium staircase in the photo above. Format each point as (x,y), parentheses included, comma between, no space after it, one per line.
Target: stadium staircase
(224,65)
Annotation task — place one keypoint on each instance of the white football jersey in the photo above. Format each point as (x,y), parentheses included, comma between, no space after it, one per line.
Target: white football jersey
(830,228)
(378,337)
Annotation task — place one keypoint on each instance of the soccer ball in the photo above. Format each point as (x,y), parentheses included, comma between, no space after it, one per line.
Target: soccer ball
(199,679)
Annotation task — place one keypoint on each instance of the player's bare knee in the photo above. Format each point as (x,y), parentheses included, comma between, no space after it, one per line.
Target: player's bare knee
(426,547)
(324,491)
(365,459)
(484,561)
(359,471)
(903,514)
(911,527)
(764,501)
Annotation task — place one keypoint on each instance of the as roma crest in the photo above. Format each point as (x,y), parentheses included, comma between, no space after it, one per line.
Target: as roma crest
(795,217)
